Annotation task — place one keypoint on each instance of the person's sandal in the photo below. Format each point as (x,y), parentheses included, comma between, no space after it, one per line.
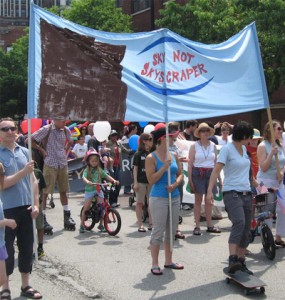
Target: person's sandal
(5,294)
(197,231)
(280,243)
(29,292)
(213,229)
(179,235)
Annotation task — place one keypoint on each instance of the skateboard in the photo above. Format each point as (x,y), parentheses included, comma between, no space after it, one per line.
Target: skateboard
(249,282)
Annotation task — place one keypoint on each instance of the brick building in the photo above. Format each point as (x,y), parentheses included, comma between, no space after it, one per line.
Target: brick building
(14,18)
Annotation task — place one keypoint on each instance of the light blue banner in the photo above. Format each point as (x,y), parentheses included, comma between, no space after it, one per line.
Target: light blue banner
(163,76)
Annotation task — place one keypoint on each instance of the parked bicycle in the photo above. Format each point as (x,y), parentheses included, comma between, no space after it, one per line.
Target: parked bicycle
(111,217)
(258,224)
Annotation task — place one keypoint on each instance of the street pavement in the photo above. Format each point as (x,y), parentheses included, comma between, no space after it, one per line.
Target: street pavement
(96,265)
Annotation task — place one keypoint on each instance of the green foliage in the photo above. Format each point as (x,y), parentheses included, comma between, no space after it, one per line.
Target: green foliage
(98,14)
(214,21)
(13,79)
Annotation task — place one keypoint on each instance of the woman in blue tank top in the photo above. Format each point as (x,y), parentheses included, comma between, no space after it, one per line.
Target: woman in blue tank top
(157,164)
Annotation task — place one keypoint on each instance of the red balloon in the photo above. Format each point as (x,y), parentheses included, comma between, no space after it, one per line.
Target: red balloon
(126,122)
(159,125)
(35,125)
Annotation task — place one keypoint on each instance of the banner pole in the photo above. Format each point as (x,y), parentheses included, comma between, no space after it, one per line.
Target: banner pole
(169,194)
(32,190)
(273,142)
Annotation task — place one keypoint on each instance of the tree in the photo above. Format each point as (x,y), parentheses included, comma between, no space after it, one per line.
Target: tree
(214,21)
(13,79)
(98,14)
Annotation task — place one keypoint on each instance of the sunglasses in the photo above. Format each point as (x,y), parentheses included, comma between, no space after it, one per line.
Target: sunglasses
(6,129)
(149,139)
(279,129)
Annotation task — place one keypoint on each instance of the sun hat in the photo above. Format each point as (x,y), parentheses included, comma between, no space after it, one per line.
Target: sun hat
(203,126)
(256,134)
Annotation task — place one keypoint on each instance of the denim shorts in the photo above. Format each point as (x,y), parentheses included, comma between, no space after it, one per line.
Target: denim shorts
(91,195)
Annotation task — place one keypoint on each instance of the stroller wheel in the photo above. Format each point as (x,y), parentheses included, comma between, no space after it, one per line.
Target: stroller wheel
(180,220)
(131,201)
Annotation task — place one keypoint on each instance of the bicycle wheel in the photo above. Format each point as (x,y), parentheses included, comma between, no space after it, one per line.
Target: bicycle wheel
(268,242)
(89,222)
(112,221)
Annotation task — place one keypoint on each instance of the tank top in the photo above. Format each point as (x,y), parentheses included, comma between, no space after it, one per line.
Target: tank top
(204,158)
(271,173)
(159,188)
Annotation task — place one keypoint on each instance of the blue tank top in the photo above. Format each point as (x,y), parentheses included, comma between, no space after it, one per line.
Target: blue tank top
(159,188)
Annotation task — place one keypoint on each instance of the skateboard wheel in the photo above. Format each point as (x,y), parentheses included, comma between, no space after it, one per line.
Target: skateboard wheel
(262,290)
(246,292)
(228,281)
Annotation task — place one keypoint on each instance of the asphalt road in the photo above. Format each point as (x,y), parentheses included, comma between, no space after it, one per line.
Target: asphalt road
(96,265)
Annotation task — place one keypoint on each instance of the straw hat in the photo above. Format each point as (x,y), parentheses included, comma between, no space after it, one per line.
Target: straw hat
(203,126)
(256,134)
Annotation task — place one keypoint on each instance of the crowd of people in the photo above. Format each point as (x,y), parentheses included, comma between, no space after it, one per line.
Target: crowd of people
(246,158)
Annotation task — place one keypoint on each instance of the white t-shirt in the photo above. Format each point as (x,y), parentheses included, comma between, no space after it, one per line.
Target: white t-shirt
(223,142)
(236,169)
(80,150)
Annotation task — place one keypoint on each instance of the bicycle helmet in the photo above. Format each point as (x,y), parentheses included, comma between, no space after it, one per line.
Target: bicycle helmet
(90,152)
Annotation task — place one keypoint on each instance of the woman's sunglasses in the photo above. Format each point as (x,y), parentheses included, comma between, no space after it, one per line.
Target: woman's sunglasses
(149,139)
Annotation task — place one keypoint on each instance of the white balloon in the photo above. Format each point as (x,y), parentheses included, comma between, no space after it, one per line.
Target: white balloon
(102,130)
(149,128)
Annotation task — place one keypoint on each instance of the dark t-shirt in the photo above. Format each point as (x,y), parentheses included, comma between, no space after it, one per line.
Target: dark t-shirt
(139,161)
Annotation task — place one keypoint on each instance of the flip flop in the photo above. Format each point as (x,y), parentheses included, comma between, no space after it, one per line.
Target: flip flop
(29,292)
(156,271)
(280,243)
(174,266)
(142,229)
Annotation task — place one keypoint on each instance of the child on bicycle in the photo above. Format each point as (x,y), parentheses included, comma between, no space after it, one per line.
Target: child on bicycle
(92,177)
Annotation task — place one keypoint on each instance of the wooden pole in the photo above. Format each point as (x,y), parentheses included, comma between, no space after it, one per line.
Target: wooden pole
(273,143)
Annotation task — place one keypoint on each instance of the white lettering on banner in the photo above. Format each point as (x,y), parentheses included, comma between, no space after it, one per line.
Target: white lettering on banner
(126,165)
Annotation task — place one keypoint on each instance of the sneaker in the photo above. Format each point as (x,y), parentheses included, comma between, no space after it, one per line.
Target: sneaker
(186,207)
(101,228)
(81,229)
(244,267)
(41,253)
(234,264)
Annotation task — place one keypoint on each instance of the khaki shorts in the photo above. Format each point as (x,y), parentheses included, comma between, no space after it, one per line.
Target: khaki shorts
(59,176)
(144,190)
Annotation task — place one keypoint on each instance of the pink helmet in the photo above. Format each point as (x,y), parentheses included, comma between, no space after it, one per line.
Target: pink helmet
(90,152)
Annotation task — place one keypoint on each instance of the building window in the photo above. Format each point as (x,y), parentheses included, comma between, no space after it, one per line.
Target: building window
(138,5)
